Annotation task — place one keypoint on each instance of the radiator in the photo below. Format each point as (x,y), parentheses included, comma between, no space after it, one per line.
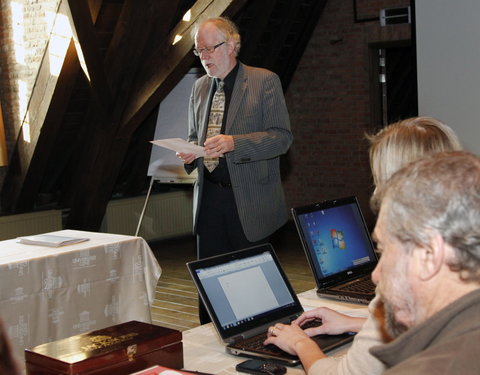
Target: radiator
(12,226)
(167,215)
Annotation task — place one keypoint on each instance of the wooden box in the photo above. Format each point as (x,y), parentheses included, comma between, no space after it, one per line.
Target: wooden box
(120,349)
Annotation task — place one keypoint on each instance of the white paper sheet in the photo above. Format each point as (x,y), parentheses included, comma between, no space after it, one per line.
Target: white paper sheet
(180,145)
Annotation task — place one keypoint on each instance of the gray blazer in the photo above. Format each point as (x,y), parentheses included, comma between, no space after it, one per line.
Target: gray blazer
(258,120)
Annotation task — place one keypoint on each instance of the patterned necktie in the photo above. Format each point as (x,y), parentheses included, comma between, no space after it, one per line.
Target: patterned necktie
(215,122)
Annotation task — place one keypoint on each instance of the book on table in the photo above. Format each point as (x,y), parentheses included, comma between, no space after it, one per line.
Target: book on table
(50,240)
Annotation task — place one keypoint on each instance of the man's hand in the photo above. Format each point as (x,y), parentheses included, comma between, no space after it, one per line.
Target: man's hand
(186,158)
(218,145)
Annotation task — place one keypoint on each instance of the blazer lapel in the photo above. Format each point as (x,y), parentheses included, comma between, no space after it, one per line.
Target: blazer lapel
(237,96)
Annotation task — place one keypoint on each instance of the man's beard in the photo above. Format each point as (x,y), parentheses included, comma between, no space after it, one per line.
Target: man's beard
(393,327)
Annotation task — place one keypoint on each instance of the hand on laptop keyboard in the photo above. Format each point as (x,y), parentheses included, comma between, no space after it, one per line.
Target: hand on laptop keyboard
(314,323)
(257,342)
(331,322)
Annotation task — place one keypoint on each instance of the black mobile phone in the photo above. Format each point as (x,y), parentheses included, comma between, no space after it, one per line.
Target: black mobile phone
(259,367)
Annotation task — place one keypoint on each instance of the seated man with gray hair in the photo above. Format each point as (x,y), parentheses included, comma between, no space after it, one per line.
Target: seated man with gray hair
(428,234)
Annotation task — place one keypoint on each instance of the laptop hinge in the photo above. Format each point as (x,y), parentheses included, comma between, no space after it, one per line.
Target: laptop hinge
(236,339)
(344,281)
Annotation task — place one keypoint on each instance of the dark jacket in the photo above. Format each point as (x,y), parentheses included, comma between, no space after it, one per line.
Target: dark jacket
(258,120)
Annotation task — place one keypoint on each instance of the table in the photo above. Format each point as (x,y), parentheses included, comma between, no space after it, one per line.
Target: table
(204,351)
(49,293)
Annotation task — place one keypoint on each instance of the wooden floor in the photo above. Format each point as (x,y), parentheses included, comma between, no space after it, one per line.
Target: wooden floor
(175,304)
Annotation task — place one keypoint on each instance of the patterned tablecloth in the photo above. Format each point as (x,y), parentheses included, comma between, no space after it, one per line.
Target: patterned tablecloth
(49,293)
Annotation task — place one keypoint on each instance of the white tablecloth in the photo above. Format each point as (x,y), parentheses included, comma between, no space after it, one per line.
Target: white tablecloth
(51,293)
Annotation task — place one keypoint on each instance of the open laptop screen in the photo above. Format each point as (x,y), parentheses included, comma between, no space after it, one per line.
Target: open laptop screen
(244,289)
(335,237)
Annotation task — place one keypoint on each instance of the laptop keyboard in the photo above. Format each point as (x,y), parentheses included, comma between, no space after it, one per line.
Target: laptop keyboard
(364,285)
(255,343)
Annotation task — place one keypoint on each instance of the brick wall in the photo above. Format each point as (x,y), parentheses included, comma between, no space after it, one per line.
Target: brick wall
(329,104)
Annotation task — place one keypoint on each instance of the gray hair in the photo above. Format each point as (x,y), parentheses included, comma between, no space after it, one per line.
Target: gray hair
(438,194)
(226,28)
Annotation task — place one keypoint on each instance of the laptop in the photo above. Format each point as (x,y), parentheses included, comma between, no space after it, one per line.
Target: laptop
(339,248)
(245,292)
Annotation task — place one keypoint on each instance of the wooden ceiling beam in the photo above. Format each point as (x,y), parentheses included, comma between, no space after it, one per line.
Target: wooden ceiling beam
(315,10)
(45,112)
(279,34)
(95,6)
(88,51)
(48,102)
(102,158)
(253,23)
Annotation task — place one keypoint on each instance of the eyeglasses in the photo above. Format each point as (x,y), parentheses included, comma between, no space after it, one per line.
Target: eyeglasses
(207,49)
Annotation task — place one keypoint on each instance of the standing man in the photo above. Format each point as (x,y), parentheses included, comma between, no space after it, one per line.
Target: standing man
(238,113)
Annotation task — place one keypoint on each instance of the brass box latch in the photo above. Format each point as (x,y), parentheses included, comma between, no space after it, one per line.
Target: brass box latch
(131,351)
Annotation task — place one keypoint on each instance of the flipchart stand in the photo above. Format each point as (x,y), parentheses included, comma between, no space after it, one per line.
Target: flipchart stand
(179,180)
(140,219)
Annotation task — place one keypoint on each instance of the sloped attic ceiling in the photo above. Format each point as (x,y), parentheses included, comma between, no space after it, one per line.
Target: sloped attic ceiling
(92,125)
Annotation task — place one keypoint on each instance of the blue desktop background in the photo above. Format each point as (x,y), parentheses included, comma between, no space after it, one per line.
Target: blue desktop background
(337,237)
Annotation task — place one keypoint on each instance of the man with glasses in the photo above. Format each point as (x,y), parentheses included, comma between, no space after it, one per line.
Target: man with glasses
(238,195)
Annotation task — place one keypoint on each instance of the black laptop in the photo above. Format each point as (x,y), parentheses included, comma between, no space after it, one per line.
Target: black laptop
(247,291)
(339,248)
